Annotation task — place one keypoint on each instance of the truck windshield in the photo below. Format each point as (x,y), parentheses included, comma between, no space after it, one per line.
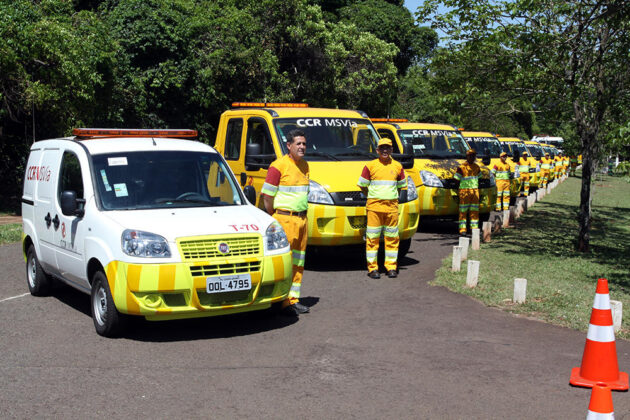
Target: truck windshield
(485,146)
(515,149)
(332,138)
(535,150)
(435,144)
(164,179)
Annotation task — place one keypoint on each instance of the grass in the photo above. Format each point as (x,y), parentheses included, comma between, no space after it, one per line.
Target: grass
(10,233)
(541,248)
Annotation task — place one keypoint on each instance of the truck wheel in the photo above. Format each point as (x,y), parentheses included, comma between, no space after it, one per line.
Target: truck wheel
(107,320)
(39,283)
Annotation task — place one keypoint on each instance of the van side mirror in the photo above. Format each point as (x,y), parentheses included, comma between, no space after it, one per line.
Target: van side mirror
(485,160)
(250,194)
(70,204)
(406,157)
(255,160)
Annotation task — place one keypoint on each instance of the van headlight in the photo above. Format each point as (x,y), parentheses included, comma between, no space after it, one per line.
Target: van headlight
(412,191)
(318,194)
(276,238)
(430,179)
(137,243)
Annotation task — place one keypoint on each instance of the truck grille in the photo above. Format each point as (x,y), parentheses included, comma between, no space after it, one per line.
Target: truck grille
(348,198)
(224,269)
(207,248)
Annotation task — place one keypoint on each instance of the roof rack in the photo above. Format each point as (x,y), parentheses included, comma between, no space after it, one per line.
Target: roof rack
(95,133)
(389,119)
(268,105)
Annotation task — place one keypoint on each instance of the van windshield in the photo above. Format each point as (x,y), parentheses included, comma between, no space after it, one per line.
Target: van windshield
(535,150)
(331,138)
(164,179)
(435,144)
(485,146)
(515,149)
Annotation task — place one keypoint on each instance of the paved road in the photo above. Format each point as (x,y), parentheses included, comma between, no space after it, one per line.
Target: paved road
(368,349)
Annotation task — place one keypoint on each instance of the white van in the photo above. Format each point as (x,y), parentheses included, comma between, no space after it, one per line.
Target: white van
(148,223)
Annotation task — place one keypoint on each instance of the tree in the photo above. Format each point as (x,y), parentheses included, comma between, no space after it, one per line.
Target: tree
(568,57)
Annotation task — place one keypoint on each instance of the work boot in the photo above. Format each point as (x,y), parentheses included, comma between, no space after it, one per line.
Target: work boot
(392,274)
(374,274)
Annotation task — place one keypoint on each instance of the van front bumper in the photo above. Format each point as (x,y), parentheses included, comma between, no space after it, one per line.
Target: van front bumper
(330,225)
(178,290)
(443,202)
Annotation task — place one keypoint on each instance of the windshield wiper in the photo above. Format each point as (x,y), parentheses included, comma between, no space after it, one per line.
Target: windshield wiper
(318,153)
(183,200)
(356,153)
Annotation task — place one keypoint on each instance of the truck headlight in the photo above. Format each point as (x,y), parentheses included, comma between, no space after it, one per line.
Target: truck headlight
(137,243)
(412,191)
(430,179)
(318,194)
(276,238)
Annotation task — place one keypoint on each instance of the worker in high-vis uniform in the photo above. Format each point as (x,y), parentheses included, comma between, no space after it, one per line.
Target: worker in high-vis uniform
(524,163)
(502,171)
(565,165)
(468,175)
(546,163)
(381,180)
(558,161)
(285,195)
(573,161)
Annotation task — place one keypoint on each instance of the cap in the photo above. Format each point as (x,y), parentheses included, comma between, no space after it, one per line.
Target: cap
(546,153)
(384,142)
(524,153)
(503,154)
(471,152)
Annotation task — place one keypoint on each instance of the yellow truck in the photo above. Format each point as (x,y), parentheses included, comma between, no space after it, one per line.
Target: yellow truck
(438,150)
(488,150)
(339,144)
(537,153)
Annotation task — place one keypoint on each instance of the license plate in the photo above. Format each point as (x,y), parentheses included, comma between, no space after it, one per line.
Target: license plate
(231,283)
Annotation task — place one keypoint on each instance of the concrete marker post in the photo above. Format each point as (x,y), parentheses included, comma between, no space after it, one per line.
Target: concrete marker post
(464,243)
(506,218)
(512,214)
(457,258)
(520,290)
(475,239)
(616,308)
(487,231)
(472,275)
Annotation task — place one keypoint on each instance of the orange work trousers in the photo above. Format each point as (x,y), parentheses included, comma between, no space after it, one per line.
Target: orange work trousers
(468,203)
(503,195)
(525,181)
(297,232)
(386,223)
(544,174)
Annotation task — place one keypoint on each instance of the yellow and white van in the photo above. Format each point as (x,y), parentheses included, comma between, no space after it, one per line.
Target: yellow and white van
(149,223)
(338,145)
(438,150)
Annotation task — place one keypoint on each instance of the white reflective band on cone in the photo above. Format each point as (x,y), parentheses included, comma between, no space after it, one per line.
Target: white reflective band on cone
(599,416)
(600,334)
(601,301)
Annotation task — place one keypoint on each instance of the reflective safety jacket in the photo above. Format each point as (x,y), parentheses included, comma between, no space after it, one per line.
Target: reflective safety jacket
(383,180)
(546,163)
(524,164)
(557,161)
(501,170)
(468,175)
(288,181)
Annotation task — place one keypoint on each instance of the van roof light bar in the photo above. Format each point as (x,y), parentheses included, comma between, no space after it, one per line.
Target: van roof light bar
(389,119)
(268,105)
(94,133)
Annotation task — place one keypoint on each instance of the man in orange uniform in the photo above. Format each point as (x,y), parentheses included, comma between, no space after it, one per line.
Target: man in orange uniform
(380,181)
(524,163)
(501,172)
(558,161)
(468,175)
(285,194)
(545,167)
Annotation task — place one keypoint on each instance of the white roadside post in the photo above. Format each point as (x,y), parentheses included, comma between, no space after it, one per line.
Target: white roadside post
(616,308)
(464,243)
(520,290)
(487,231)
(475,239)
(506,218)
(457,258)
(472,276)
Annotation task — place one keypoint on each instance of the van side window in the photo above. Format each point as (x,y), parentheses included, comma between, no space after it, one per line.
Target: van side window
(70,179)
(257,133)
(233,138)
(387,134)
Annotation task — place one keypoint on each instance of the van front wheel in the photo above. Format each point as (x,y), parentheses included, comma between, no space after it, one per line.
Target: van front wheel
(39,282)
(107,320)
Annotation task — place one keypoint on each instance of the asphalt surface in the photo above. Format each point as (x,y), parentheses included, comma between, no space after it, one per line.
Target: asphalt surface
(368,349)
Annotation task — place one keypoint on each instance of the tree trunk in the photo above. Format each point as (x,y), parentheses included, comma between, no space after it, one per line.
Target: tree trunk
(584,216)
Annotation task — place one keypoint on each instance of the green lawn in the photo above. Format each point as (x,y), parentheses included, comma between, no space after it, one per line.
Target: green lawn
(541,248)
(10,233)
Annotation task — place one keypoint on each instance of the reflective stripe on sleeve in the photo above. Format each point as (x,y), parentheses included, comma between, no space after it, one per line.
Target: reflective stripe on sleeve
(269,189)
(363,182)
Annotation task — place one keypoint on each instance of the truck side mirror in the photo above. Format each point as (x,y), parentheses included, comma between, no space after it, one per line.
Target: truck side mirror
(250,194)
(69,204)
(254,160)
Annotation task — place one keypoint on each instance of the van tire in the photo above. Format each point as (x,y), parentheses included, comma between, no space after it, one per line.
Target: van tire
(39,283)
(403,247)
(108,322)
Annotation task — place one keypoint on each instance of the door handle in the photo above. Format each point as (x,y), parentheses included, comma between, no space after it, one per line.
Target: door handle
(47,219)
(56,221)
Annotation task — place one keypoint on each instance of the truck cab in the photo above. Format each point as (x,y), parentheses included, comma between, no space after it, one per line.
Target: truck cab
(148,223)
(438,150)
(338,145)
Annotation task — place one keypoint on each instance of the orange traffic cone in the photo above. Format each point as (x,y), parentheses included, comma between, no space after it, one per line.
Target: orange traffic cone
(601,405)
(599,362)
